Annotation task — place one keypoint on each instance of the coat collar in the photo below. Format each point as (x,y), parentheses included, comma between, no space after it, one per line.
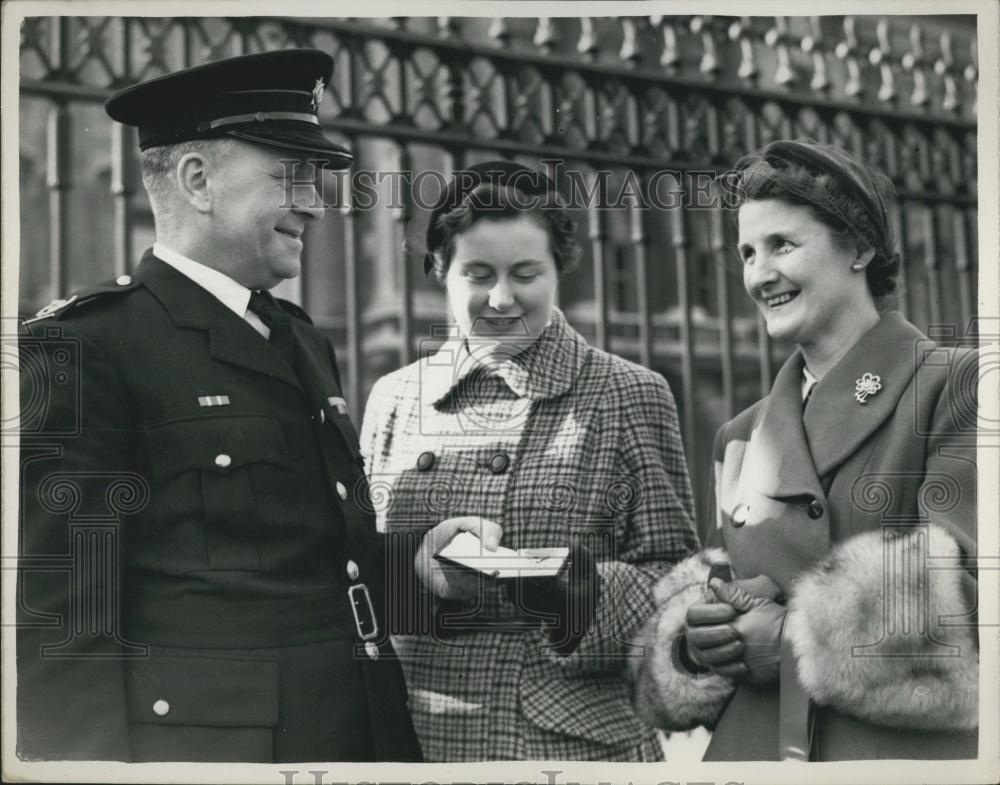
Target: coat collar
(546,369)
(230,338)
(790,450)
(835,423)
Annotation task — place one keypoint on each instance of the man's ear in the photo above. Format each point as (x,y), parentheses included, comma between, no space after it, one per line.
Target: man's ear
(192,181)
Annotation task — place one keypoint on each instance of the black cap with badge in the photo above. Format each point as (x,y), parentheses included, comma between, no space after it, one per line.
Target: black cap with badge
(270,98)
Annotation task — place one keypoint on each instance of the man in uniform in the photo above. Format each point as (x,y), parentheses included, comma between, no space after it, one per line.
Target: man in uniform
(200,574)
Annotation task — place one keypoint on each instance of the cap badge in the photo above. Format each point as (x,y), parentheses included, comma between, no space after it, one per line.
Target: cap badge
(866,387)
(317,94)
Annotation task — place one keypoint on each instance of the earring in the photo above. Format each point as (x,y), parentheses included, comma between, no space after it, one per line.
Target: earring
(857,267)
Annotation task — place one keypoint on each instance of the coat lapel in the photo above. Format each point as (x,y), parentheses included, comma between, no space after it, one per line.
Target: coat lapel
(835,423)
(778,462)
(769,531)
(765,522)
(230,339)
(320,387)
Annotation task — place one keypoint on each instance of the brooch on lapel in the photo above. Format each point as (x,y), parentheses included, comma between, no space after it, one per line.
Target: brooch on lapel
(866,387)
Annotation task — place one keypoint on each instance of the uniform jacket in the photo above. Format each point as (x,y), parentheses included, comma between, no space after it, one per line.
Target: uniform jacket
(563,442)
(228,508)
(865,517)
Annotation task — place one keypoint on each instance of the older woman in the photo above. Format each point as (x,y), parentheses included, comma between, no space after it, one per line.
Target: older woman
(518,430)
(838,623)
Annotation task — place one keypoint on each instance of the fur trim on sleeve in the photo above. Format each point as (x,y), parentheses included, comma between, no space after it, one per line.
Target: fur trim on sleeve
(666,695)
(869,628)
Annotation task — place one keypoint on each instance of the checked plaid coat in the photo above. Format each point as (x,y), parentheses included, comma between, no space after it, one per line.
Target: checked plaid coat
(563,441)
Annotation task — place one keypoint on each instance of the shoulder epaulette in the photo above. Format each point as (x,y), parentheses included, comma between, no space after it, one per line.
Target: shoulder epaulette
(60,307)
(294,310)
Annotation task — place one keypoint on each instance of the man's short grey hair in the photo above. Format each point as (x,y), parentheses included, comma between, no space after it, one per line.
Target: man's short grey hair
(158,165)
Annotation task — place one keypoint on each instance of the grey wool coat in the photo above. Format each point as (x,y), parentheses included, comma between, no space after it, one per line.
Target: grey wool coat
(864,514)
(563,442)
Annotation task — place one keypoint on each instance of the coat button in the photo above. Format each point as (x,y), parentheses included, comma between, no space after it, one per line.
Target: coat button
(161,708)
(740,515)
(425,461)
(342,491)
(352,569)
(371,649)
(499,463)
(123,280)
(815,509)
(223,461)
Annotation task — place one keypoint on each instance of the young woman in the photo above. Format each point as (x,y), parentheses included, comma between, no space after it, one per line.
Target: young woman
(839,622)
(517,430)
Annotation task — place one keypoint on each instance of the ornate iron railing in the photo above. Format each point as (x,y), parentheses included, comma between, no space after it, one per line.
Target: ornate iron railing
(630,101)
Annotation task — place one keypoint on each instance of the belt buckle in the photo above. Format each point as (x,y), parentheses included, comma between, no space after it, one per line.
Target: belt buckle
(356,601)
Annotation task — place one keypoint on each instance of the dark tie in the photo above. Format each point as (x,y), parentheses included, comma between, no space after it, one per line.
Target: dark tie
(284,339)
(316,389)
(277,321)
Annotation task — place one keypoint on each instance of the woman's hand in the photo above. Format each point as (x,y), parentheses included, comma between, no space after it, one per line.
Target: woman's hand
(757,624)
(449,582)
(738,636)
(709,640)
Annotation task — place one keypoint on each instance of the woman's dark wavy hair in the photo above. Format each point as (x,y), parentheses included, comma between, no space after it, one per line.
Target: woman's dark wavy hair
(842,193)
(493,202)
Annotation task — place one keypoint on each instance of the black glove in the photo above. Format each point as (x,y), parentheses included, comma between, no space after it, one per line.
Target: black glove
(566,603)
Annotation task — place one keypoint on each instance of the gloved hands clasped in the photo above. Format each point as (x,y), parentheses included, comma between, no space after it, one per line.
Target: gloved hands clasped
(738,636)
(567,602)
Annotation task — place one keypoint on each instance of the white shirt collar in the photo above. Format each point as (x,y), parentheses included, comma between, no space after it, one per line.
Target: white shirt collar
(808,382)
(235,296)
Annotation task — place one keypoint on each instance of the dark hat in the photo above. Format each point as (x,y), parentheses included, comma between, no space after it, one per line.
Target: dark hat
(269,98)
(853,177)
(504,173)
